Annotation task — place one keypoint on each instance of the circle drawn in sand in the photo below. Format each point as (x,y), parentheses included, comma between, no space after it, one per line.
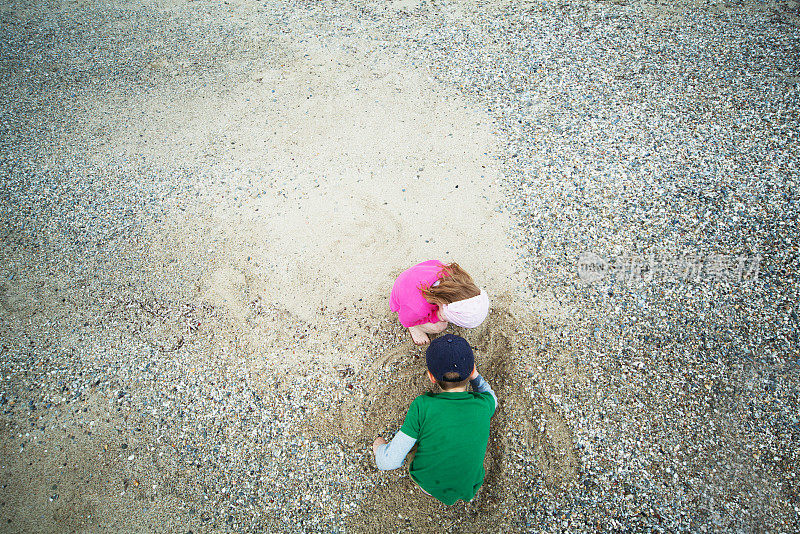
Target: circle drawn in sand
(530,444)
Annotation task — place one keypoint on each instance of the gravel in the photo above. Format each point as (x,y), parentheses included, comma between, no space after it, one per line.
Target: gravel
(639,132)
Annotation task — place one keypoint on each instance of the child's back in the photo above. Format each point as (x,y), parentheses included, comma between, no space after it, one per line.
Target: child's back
(451,429)
(452,432)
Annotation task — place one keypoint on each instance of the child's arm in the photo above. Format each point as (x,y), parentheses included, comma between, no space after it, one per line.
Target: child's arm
(479,385)
(391,455)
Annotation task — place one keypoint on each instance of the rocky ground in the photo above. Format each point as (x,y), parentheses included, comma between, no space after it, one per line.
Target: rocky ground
(647,359)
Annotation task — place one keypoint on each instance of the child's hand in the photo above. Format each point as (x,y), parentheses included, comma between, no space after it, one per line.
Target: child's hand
(377,443)
(474,372)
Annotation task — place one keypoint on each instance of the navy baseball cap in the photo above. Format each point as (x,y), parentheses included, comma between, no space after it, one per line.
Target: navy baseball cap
(450,354)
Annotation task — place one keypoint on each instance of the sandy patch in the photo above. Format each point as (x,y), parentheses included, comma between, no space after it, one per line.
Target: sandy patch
(326,176)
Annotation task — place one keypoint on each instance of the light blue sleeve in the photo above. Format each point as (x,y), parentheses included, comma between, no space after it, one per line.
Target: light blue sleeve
(393,454)
(479,385)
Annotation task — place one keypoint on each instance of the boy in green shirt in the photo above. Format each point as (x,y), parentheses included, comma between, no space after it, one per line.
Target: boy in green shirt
(451,429)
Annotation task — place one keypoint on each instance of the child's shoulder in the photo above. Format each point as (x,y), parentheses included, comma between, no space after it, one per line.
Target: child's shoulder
(430,398)
(425,266)
(424,400)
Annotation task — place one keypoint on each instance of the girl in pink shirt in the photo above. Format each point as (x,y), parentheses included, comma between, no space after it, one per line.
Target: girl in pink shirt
(430,294)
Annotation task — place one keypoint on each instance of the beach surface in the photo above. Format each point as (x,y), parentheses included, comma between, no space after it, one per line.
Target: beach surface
(204,206)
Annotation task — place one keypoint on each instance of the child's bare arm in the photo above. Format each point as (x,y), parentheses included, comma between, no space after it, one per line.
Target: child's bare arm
(391,455)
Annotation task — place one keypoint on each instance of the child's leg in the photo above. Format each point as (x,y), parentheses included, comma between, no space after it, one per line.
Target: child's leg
(434,328)
(420,332)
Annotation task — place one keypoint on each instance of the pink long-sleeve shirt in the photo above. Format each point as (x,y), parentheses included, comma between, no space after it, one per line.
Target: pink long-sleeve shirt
(406,299)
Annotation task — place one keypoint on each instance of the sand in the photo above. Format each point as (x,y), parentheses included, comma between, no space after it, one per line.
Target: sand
(326,175)
(204,206)
(317,173)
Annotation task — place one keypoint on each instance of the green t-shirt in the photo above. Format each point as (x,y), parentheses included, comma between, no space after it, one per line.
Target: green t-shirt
(452,432)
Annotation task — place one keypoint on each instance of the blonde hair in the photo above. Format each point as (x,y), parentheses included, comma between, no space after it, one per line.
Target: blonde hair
(454,285)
